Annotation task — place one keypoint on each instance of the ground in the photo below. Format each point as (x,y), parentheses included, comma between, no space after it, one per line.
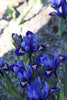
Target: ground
(39,22)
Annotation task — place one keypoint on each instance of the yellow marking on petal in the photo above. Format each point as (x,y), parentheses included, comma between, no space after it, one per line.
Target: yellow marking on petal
(13,67)
(52,13)
(23,83)
(0,67)
(34,66)
(20,51)
(52,90)
(48,72)
(5,66)
(40,57)
(29,35)
(40,48)
(54,5)
(61,58)
(14,36)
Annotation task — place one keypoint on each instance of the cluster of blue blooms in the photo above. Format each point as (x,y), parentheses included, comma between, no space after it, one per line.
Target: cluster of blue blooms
(29,45)
(60,6)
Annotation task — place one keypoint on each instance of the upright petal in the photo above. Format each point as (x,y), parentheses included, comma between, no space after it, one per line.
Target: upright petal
(1,61)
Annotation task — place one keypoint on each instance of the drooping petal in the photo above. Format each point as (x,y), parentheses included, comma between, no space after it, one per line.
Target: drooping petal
(20,51)
(35,66)
(41,47)
(62,58)
(52,90)
(23,84)
(52,13)
(5,67)
(48,73)
(18,69)
(12,67)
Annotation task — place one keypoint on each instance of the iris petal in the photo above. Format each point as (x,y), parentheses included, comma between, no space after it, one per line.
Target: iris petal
(23,84)
(41,47)
(35,66)
(62,58)
(20,51)
(52,13)
(29,33)
(48,73)
(5,67)
(52,90)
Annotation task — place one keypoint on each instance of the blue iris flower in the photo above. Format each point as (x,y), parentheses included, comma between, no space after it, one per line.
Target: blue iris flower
(36,91)
(60,7)
(17,39)
(24,72)
(51,65)
(4,66)
(29,45)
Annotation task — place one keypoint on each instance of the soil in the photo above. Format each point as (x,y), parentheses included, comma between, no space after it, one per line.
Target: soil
(39,22)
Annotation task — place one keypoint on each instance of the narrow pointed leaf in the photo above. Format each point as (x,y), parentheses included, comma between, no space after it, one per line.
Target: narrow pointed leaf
(61,96)
(65,81)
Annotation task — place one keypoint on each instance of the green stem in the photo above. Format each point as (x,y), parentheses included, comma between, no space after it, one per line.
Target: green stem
(41,74)
(60,27)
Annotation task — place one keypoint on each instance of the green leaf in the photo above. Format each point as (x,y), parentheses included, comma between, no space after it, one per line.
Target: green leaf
(61,96)
(26,58)
(12,90)
(25,11)
(4,87)
(50,82)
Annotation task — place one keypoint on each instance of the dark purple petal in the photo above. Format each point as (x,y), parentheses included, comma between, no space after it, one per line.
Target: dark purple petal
(12,67)
(5,67)
(41,47)
(62,58)
(48,73)
(52,90)
(35,66)
(20,51)
(52,13)
(29,33)
(23,84)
